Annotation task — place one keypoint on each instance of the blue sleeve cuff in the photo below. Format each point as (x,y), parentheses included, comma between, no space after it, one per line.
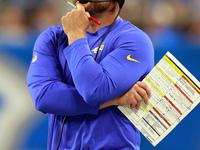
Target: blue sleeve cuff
(76,43)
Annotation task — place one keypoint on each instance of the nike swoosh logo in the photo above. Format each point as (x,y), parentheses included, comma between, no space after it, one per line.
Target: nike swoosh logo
(131,59)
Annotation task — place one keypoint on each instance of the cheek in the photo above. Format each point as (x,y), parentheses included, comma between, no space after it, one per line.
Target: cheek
(89,8)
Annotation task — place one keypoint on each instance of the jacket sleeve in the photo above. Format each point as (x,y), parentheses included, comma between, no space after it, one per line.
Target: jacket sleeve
(44,80)
(131,59)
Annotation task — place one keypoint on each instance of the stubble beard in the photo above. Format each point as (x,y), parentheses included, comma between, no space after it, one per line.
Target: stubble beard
(96,8)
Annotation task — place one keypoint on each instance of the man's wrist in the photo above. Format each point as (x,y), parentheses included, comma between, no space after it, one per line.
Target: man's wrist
(74,37)
(109,103)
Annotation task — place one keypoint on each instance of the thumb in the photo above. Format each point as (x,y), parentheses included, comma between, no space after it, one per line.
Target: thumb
(79,6)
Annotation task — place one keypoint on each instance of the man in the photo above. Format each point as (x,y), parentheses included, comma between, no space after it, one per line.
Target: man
(64,79)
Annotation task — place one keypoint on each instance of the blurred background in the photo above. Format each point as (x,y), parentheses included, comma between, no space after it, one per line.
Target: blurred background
(172,25)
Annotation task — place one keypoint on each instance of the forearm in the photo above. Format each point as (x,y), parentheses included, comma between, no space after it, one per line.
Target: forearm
(116,73)
(48,82)
(109,103)
(98,83)
(59,99)
(50,94)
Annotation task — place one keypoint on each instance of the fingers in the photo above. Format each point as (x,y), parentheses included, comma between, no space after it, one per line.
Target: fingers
(141,91)
(145,87)
(79,6)
(143,95)
(134,98)
(139,100)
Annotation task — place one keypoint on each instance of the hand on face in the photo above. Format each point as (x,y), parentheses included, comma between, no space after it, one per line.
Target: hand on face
(76,23)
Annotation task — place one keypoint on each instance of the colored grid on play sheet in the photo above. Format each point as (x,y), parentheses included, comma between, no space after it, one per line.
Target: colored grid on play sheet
(170,73)
(174,95)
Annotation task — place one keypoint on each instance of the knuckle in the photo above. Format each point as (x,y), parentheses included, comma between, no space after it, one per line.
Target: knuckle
(73,10)
(63,19)
(133,90)
(134,103)
(139,83)
(139,99)
(132,96)
(143,84)
(143,93)
(80,11)
(68,13)
(136,85)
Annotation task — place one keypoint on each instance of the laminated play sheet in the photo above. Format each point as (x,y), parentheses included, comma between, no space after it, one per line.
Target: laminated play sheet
(175,93)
